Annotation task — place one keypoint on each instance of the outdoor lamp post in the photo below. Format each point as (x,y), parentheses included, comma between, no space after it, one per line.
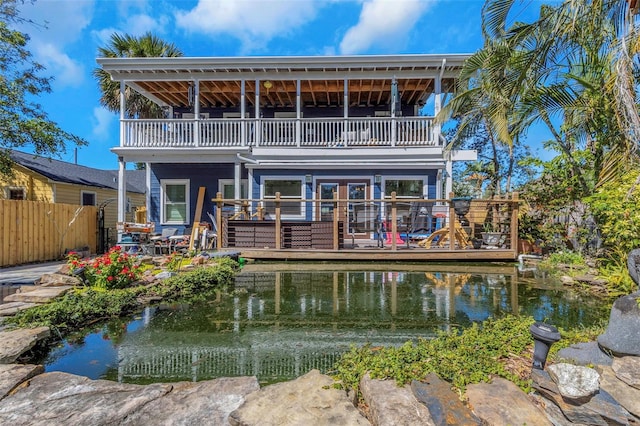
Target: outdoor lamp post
(544,335)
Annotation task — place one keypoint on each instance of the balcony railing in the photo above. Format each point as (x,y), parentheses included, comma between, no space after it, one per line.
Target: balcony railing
(280,132)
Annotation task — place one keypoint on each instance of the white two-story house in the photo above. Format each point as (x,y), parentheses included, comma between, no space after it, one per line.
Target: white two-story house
(307,127)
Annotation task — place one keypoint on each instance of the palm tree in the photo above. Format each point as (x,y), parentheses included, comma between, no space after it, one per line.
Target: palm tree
(127,46)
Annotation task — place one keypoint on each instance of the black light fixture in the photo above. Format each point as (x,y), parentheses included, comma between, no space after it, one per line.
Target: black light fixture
(80,273)
(544,335)
(461,206)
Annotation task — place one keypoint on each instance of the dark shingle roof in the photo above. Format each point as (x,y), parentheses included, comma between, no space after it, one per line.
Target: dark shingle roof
(61,171)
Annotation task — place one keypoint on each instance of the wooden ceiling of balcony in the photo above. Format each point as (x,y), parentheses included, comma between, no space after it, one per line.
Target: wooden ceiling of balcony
(282,93)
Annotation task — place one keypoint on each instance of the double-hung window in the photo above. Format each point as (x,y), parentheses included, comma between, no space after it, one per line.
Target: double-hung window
(290,189)
(175,201)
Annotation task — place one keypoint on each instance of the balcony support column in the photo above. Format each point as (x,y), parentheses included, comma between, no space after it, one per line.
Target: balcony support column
(196,111)
(237,183)
(123,101)
(258,123)
(345,102)
(243,113)
(122,189)
(298,113)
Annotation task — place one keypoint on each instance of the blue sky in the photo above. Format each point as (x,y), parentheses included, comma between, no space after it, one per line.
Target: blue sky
(76,28)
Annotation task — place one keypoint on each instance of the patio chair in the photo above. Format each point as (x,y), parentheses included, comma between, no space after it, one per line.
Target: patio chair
(161,243)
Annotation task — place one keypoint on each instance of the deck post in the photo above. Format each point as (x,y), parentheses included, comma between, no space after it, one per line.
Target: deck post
(452,224)
(394,223)
(336,225)
(278,223)
(218,201)
(514,223)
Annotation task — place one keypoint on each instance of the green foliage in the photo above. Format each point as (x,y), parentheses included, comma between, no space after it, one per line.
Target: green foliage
(470,356)
(615,271)
(80,307)
(114,269)
(461,358)
(615,208)
(22,120)
(565,258)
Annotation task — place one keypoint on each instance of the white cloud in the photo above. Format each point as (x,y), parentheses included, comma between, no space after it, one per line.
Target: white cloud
(66,71)
(253,22)
(102,121)
(384,24)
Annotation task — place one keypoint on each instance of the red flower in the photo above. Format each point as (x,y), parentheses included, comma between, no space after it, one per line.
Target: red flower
(110,278)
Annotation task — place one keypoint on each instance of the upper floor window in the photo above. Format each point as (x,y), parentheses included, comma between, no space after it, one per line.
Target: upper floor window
(14,193)
(87,198)
(175,201)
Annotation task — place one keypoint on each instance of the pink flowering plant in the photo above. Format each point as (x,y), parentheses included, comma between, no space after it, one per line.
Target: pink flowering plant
(111,270)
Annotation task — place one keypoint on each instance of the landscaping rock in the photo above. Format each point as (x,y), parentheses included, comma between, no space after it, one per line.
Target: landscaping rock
(567,280)
(622,336)
(601,409)
(56,280)
(61,398)
(390,404)
(584,354)
(443,404)
(590,279)
(633,264)
(501,402)
(627,369)
(164,275)
(627,396)
(12,308)
(575,382)
(38,295)
(203,403)
(17,342)
(307,400)
(12,375)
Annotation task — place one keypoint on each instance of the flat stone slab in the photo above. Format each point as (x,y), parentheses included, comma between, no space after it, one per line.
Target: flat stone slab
(61,398)
(627,369)
(17,342)
(501,402)
(584,354)
(57,280)
(39,295)
(12,375)
(203,403)
(627,396)
(12,308)
(443,404)
(390,404)
(307,400)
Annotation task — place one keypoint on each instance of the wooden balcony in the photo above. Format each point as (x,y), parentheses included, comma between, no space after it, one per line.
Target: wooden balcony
(281,133)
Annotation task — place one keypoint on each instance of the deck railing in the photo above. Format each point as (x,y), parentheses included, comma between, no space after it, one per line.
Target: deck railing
(280,132)
(393,222)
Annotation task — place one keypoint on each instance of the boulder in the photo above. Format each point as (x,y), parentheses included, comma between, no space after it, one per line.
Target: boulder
(627,396)
(501,402)
(17,342)
(390,404)
(622,336)
(203,403)
(584,354)
(633,264)
(38,294)
(61,398)
(575,382)
(308,400)
(602,409)
(627,369)
(56,280)
(443,404)
(12,375)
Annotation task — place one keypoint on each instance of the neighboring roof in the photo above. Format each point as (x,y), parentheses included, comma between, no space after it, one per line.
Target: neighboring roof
(167,81)
(61,171)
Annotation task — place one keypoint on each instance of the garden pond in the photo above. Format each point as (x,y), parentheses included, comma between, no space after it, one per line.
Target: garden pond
(283,320)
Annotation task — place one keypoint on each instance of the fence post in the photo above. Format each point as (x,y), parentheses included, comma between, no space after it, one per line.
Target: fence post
(218,201)
(514,223)
(452,224)
(278,223)
(336,224)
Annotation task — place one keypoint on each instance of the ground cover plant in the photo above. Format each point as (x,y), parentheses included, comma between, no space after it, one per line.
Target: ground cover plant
(500,347)
(86,305)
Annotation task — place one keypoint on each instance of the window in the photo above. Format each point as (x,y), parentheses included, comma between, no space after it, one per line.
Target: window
(289,189)
(404,187)
(175,201)
(16,194)
(87,198)
(228,189)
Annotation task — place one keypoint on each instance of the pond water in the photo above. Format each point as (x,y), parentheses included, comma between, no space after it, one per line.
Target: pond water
(284,320)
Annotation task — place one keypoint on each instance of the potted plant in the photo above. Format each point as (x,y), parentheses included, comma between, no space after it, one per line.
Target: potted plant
(476,242)
(491,237)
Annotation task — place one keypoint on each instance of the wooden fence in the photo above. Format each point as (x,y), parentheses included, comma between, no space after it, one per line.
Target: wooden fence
(34,231)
